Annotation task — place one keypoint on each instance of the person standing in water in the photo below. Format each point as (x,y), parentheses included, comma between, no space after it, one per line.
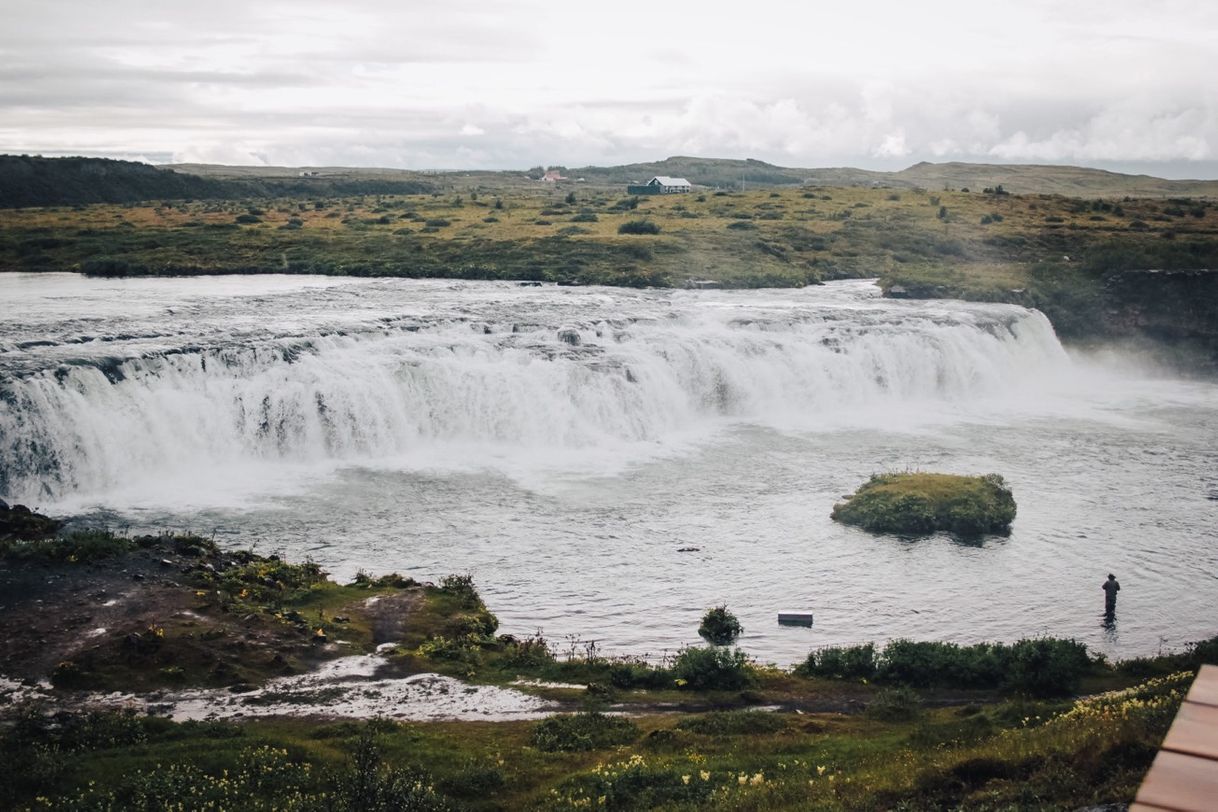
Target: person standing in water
(1111,587)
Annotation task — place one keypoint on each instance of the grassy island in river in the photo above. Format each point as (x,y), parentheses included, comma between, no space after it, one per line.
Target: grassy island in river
(918,503)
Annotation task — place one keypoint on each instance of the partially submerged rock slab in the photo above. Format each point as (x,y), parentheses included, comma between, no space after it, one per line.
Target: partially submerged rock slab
(920,503)
(794,618)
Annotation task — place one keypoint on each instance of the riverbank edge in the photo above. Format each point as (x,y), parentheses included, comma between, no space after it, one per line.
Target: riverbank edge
(445,628)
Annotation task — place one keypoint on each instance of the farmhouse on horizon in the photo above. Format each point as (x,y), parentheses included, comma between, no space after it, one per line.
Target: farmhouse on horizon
(661,185)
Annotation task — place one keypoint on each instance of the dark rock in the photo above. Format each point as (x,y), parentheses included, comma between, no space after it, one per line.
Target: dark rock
(20,523)
(137,576)
(569,335)
(165,562)
(341,619)
(3,505)
(688,549)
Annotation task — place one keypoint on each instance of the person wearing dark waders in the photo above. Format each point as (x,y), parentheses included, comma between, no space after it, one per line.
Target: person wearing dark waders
(1111,587)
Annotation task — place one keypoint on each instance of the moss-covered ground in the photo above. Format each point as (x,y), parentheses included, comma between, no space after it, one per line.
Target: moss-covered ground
(1017,754)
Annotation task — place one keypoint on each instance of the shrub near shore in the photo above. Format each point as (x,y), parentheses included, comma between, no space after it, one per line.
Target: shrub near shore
(1041,666)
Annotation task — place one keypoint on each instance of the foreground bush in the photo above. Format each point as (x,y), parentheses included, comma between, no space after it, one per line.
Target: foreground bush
(841,662)
(1043,666)
(638,227)
(721,669)
(1195,655)
(582,731)
(918,503)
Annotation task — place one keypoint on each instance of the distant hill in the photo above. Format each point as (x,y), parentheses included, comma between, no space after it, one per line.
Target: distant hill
(1017,178)
(728,173)
(1072,181)
(34,181)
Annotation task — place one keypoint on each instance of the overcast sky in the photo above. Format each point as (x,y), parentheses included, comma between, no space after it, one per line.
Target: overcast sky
(1124,84)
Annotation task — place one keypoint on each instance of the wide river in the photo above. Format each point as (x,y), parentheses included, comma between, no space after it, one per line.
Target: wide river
(609,463)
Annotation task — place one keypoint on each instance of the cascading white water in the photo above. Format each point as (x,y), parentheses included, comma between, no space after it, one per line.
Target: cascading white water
(686,452)
(495,372)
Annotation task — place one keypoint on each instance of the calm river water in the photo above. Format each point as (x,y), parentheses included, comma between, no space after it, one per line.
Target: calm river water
(569,446)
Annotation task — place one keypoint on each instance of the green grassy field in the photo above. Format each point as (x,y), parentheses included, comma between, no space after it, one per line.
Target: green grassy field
(1013,754)
(1041,250)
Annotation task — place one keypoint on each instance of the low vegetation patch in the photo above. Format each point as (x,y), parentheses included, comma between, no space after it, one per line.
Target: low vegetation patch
(920,503)
(638,227)
(582,731)
(895,705)
(734,723)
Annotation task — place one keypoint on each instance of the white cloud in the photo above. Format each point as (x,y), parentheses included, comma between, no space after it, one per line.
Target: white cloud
(1121,134)
(893,146)
(515,83)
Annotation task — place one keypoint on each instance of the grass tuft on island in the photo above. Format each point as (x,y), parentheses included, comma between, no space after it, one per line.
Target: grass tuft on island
(917,503)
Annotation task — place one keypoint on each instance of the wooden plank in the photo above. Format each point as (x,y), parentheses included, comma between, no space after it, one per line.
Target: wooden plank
(1179,781)
(1195,732)
(1205,686)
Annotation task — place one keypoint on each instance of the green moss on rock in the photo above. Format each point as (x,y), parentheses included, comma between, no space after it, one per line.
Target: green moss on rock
(917,503)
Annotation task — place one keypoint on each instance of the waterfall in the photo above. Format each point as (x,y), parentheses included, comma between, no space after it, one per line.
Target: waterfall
(93,423)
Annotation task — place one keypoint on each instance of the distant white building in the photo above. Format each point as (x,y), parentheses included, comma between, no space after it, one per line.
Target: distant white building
(670,185)
(661,185)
